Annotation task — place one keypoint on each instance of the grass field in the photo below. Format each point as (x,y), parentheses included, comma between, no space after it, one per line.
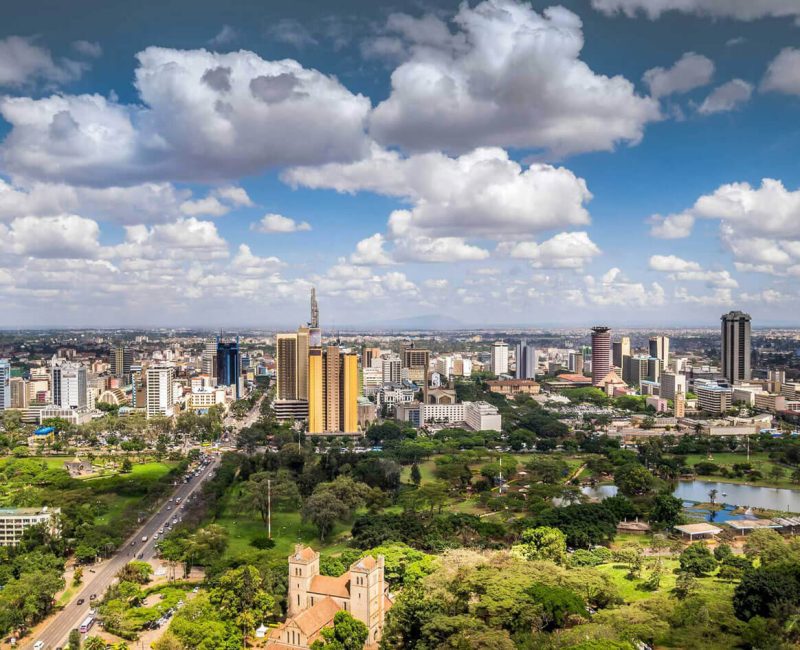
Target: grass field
(759,461)
(288,529)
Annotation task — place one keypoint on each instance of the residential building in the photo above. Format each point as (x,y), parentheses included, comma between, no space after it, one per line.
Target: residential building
(659,349)
(672,383)
(313,600)
(526,361)
(121,361)
(714,399)
(601,353)
(620,349)
(499,358)
(736,346)
(160,396)
(5,384)
(15,521)
(68,384)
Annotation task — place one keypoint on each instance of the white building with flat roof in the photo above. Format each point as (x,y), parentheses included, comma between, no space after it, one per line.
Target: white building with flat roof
(160,395)
(482,416)
(714,399)
(15,521)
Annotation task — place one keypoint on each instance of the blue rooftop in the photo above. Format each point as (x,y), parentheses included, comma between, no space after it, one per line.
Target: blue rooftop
(43,431)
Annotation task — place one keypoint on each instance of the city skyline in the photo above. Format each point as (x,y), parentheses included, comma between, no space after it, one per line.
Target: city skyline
(208,172)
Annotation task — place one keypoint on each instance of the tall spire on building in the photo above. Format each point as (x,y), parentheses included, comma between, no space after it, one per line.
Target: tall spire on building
(314,309)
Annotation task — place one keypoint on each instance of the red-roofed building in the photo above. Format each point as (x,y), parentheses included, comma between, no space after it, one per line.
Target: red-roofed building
(314,599)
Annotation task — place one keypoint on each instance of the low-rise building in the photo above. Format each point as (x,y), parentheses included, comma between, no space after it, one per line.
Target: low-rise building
(482,416)
(514,386)
(15,521)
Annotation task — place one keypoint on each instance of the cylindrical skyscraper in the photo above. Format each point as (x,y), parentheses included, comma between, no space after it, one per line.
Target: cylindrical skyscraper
(601,354)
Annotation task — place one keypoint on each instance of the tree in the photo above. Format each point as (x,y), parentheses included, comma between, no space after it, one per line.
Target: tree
(127,466)
(558,604)
(347,633)
(685,585)
(697,560)
(542,543)
(324,509)
(416,475)
(633,479)
(766,588)
(712,496)
(666,510)
(240,596)
(766,544)
(94,643)
(74,639)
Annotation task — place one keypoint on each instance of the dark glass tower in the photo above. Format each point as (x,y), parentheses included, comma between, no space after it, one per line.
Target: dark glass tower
(229,364)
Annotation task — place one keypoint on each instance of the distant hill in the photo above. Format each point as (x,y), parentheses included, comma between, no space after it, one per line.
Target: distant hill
(427,322)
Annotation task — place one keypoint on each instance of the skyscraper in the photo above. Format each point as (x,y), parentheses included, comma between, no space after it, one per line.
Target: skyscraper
(229,367)
(5,384)
(526,361)
(292,365)
(659,348)
(121,360)
(601,354)
(736,346)
(209,359)
(621,348)
(332,391)
(160,397)
(500,358)
(68,384)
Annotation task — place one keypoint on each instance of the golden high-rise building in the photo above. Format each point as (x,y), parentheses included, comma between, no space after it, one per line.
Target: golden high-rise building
(292,365)
(332,391)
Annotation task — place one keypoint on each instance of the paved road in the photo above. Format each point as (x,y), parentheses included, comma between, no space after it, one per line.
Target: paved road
(57,630)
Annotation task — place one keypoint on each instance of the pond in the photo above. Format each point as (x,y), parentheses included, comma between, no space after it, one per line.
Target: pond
(733,494)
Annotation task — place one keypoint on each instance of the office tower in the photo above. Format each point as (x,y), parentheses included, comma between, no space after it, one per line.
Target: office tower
(672,383)
(229,364)
(659,348)
(680,405)
(621,348)
(736,346)
(291,359)
(160,396)
(526,361)
(68,385)
(5,384)
(391,370)
(19,392)
(121,360)
(417,361)
(575,362)
(500,358)
(601,354)
(367,356)
(209,360)
(332,391)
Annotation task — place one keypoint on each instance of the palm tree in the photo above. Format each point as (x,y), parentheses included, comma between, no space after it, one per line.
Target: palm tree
(712,496)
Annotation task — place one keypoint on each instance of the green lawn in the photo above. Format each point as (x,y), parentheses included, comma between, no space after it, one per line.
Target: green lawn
(287,530)
(759,461)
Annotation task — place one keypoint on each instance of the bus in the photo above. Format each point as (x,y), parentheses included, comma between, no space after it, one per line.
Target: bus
(87,624)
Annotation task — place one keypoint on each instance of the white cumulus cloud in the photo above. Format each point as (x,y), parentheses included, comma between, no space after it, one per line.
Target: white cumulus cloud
(689,72)
(277,223)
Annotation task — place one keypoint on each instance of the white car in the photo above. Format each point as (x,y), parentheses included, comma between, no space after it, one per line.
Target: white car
(38,645)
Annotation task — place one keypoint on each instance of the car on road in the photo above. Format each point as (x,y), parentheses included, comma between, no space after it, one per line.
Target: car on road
(81,601)
(144,538)
(93,597)
(38,645)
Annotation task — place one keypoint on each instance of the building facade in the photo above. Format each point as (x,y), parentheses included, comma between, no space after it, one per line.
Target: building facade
(121,361)
(229,368)
(68,385)
(15,521)
(5,384)
(526,361)
(314,599)
(601,354)
(333,390)
(160,395)
(500,358)
(736,346)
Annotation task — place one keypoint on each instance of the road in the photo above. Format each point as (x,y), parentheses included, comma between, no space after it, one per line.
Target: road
(55,633)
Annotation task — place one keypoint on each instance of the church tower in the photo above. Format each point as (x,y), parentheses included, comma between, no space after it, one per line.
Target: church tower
(366,595)
(303,566)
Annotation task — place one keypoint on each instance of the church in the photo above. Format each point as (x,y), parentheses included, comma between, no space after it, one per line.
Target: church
(315,599)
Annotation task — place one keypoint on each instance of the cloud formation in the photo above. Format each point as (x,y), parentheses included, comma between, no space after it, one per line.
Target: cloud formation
(507,76)
(687,73)
(737,9)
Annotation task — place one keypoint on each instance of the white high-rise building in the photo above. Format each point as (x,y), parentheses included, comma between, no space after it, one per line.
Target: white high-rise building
(391,370)
(500,358)
(671,384)
(68,384)
(5,384)
(160,396)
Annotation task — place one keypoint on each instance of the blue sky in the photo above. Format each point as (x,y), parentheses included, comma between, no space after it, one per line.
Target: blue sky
(503,162)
